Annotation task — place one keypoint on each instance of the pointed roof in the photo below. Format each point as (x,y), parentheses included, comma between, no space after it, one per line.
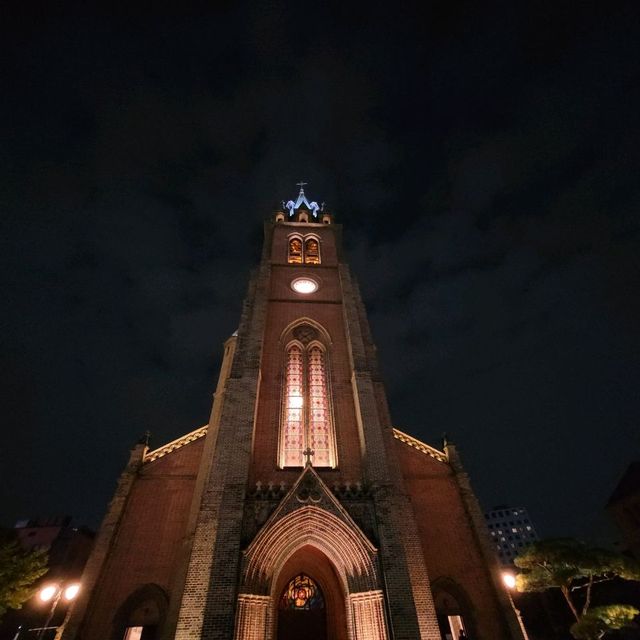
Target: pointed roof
(310,489)
(302,201)
(311,514)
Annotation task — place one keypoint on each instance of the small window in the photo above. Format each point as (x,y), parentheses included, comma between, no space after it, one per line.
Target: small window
(302,593)
(311,251)
(133,633)
(295,251)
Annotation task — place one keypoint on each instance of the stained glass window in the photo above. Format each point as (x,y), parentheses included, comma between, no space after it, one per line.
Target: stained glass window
(306,421)
(311,251)
(319,418)
(293,431)
(307,251)
(295,251)
(302,593)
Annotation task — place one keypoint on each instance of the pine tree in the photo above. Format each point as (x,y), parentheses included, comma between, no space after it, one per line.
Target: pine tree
(574,568)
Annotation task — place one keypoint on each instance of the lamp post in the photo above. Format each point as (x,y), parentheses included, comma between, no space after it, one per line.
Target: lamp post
(509,581)
(54,593)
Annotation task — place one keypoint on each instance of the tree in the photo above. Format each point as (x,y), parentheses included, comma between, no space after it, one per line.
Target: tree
(19,570)
(573,567)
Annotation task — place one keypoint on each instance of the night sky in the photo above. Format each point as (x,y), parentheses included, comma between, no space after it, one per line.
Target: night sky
(482,156)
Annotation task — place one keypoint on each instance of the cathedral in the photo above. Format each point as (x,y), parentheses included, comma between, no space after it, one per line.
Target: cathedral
(299,510)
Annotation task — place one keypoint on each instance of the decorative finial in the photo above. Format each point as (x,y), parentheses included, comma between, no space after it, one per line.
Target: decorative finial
(308,454)
(292,206)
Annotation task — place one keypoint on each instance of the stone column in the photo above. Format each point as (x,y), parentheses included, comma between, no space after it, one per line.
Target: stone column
(367,613)
(252,617)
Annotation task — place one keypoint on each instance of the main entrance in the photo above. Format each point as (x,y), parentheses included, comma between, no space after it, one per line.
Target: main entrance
(302,613)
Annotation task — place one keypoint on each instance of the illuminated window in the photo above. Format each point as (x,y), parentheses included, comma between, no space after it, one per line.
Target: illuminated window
(307,250)
(306,408)
(311,251)
(293,436)
(133,633)
(295,251)
(302,593)
(304,286)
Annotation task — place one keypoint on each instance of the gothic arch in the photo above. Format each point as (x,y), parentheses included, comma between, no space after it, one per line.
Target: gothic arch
(349,553)
(450,598)
(288,330)
(306,412)
(146,606)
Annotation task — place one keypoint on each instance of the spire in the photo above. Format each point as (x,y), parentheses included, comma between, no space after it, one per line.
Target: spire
(292,206)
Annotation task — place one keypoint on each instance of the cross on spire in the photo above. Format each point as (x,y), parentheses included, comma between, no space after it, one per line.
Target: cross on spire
(301,185)
(308,453)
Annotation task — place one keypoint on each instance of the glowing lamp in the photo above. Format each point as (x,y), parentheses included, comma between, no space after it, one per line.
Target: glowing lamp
(304,286)
(71,591)
(509,580)
(48,592)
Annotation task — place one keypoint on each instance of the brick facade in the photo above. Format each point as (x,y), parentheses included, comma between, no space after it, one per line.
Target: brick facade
(204,534)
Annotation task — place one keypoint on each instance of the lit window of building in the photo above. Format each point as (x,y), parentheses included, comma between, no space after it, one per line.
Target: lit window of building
(510,544)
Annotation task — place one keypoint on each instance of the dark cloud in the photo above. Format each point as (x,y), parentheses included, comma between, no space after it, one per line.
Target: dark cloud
(483,160)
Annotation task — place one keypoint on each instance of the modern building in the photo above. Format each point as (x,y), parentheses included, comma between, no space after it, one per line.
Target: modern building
(298,510)
(511,530)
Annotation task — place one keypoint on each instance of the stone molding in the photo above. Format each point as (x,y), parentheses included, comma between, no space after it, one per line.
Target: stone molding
(441,456)
(175,444)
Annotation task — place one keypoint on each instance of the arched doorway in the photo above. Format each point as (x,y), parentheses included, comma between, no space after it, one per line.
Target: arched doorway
(301,610)
(141,616)
(323,611)
(453,609)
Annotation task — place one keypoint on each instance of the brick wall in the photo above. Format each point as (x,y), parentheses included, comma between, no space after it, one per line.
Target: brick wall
(449,540)
(147,538)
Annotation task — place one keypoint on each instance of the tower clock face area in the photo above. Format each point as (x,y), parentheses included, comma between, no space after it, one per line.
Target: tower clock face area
(305,286)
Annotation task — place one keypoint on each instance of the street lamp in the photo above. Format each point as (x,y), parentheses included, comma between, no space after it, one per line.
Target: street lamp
(509,581)
(54,593)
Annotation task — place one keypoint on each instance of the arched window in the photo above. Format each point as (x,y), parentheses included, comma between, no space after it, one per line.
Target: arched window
(320,435)
(311,251)
(293,440)
(301,610)
(305,250)
(306,408)
(295,250)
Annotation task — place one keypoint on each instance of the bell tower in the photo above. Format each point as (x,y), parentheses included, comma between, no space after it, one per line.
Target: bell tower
(298,510)
(304,414)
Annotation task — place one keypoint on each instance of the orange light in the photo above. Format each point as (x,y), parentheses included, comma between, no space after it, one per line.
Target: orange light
(48,592)
(509,580)
(71,591)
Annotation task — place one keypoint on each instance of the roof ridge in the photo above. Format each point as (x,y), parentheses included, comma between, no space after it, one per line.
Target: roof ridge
(176,444)
(441,456)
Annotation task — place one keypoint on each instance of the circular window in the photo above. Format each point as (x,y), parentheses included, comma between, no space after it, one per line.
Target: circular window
(304,285)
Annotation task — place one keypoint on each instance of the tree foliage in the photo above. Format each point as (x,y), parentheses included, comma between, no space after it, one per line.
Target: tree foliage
(598,620)
(19,570)
(573,567)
